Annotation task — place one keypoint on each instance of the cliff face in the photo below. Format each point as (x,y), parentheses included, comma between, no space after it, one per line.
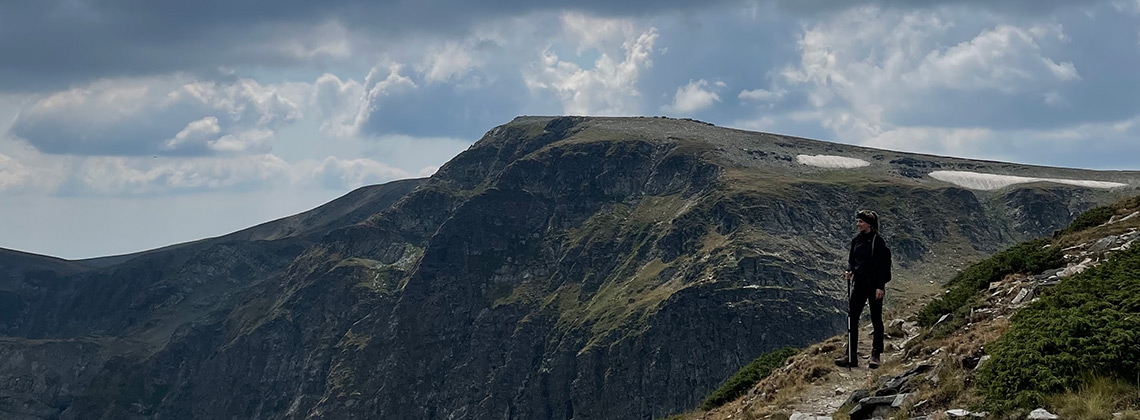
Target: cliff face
(560,268)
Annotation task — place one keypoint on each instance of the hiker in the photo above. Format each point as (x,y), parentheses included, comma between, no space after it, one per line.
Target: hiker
(868,271)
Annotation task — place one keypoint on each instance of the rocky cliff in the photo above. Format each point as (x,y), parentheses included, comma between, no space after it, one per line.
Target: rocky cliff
(586,268)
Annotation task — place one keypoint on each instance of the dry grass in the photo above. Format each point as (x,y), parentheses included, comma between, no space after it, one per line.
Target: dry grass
(1097,400)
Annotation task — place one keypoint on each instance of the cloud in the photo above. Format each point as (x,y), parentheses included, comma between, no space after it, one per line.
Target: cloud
(693,97)
(868,70)
(346,106)
(1005,58)
(12,173)
(127,176)
(761,95)
(340,104)
(167,116)
(51,44)
(610,87)
(115,176)
(340,174)
(1034,7)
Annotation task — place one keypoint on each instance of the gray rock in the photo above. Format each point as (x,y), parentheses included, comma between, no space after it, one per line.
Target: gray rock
(1103,244)
(804,416)
(857,396)
(981,361)
(943,318)
(1042,414)
(877,407)
(1021,296)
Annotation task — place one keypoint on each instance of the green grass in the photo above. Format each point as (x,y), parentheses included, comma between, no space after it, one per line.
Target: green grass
(747,377)
(1087,326)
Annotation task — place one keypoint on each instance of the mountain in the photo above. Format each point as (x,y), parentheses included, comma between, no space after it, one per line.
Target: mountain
(561,267)
(61,321)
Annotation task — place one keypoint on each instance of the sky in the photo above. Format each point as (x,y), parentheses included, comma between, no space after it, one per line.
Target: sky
(128,125)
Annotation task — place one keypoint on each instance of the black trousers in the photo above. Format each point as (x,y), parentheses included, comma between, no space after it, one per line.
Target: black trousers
(859,297)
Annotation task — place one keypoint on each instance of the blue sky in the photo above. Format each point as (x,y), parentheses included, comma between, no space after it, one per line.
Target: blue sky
(130,125)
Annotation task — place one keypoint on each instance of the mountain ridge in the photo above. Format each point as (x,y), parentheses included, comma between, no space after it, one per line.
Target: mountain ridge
(560,267)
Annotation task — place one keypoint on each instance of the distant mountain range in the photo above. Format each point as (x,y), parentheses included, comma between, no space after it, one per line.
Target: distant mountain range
(562,267)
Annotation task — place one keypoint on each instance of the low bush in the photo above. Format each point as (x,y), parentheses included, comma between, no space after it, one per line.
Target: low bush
(1086,326)
(1092,218)
(1027,257)
(747,377)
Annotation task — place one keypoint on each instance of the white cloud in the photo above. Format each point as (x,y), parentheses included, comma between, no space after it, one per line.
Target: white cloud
(141,176)
(200,131)
(865,62)
(1055,100)
(1006,58)
(115,176)
(341,104)
(762,95)
(12,173)
(962,142)
(327,40)
(450,60)
(693,97)
(170,115)
(610,88)
(336,173)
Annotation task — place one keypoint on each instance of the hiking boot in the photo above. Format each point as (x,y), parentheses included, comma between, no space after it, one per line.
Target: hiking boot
(874,363)
(843,362)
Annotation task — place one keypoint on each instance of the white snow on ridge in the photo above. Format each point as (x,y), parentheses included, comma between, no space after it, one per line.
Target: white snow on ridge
(827,161)
(980,181)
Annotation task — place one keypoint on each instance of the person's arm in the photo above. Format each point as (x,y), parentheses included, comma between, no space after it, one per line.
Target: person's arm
(850,261)
(851,256)
(883,263)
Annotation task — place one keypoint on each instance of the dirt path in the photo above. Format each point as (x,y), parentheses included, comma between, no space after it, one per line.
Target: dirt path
(825,395)
(810,384)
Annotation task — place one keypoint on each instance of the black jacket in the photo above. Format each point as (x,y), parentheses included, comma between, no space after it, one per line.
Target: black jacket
(870,261)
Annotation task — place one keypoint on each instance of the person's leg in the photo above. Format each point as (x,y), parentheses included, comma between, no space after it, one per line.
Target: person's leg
(877,334)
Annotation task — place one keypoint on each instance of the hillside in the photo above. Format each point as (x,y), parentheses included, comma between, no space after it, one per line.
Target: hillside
(1058,337)
(561,267)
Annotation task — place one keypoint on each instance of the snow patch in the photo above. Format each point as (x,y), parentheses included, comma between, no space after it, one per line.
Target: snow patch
(980,181)
(827,161)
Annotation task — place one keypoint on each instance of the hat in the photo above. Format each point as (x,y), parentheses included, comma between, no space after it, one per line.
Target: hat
(870,217)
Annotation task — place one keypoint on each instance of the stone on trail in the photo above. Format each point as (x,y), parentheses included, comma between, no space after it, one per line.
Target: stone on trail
(803,416)
(1042,414)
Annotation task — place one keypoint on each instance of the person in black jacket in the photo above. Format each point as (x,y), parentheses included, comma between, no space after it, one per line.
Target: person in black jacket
(869,269)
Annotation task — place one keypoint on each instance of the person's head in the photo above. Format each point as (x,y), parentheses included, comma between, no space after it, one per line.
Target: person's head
(867,221)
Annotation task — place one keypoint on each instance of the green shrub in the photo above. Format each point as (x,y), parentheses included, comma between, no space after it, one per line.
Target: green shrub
(1027,257)
(747,377)
(1086,326)
(1092,218)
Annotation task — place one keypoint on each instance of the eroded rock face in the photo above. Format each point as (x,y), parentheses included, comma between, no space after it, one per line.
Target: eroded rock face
(560,268)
